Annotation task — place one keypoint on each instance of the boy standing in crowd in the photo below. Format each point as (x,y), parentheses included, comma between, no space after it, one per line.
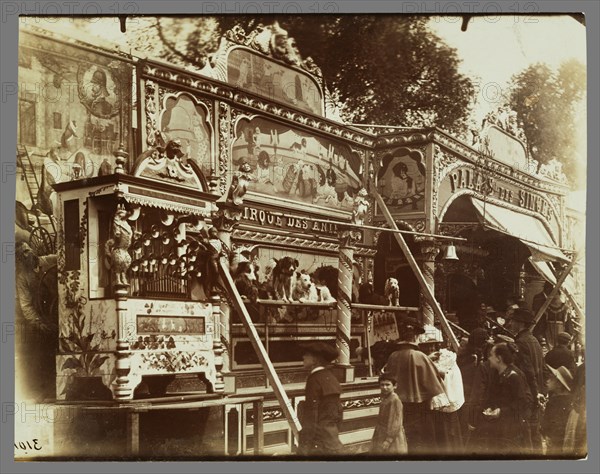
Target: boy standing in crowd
(389,437)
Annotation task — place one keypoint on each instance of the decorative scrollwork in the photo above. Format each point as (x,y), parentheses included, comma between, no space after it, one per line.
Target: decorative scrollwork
(224,141)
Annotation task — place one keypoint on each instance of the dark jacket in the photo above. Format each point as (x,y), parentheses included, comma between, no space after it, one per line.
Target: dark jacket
(476,383)
(418,378)
(555,421)
(531,361)
(320,415)
(511,394)
(561,356)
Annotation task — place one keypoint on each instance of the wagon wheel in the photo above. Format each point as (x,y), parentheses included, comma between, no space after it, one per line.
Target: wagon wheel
(41,242)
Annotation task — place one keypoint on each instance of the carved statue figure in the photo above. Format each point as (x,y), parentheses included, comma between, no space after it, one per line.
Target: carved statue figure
(360,207)
(215,251)
(239,184)
(116,248)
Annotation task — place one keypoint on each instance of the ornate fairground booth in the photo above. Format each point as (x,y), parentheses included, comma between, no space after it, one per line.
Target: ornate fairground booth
(208,223)
(505,211)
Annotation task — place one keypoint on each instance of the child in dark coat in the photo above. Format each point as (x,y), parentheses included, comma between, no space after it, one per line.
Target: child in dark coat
(389,437)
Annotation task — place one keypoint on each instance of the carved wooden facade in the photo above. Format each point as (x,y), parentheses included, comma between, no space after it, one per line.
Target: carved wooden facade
(186,152)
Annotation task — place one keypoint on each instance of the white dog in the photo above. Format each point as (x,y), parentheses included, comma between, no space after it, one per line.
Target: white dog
(305,290)
(392,291)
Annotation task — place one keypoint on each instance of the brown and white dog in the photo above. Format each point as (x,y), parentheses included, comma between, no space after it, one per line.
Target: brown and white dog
(392,291)
(283,278)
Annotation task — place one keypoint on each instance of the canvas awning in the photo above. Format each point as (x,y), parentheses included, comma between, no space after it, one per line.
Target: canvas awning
(527,229)
(545,271)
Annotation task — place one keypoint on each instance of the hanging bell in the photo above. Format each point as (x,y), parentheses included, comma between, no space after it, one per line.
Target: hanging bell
(450,253)
(155,232)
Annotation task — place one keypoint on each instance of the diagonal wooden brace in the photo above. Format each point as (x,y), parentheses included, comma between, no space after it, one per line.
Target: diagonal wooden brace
(425,288)
(555,290)
(259,348)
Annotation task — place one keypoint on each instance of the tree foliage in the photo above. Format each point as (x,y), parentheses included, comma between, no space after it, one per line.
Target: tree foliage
(545,102)
(385,69)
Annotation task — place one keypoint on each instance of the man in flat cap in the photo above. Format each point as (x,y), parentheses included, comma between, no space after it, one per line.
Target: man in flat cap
(419,387)
(530,360)
(321,413)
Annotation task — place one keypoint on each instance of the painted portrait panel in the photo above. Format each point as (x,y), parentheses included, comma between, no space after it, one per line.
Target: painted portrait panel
(401,182)
(99,90)
(73,115)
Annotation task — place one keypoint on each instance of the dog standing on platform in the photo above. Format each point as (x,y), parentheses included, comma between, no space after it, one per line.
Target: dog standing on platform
(283,278)
(392,291)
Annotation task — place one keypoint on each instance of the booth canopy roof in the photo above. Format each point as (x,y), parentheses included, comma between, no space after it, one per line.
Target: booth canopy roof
(527,229)
(544,269)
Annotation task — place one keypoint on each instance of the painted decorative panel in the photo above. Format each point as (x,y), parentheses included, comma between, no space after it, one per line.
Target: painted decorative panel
(169,325)
(293,165)
(255,73)
(76,108)
(185,120)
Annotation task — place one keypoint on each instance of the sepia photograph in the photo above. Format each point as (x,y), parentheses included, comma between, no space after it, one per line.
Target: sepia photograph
(324,237)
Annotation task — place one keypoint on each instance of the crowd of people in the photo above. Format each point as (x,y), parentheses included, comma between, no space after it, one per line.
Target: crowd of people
(498,397)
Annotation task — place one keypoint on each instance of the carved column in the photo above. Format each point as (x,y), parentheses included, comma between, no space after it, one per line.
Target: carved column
(344,300)
(225,220)
(218,347)
(428,253)
(122,388)
(121,157)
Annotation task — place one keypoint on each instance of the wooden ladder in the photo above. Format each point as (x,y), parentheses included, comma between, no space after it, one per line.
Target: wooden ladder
(33,184)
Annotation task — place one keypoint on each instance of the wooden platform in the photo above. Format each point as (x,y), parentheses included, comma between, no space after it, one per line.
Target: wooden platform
(111,413)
